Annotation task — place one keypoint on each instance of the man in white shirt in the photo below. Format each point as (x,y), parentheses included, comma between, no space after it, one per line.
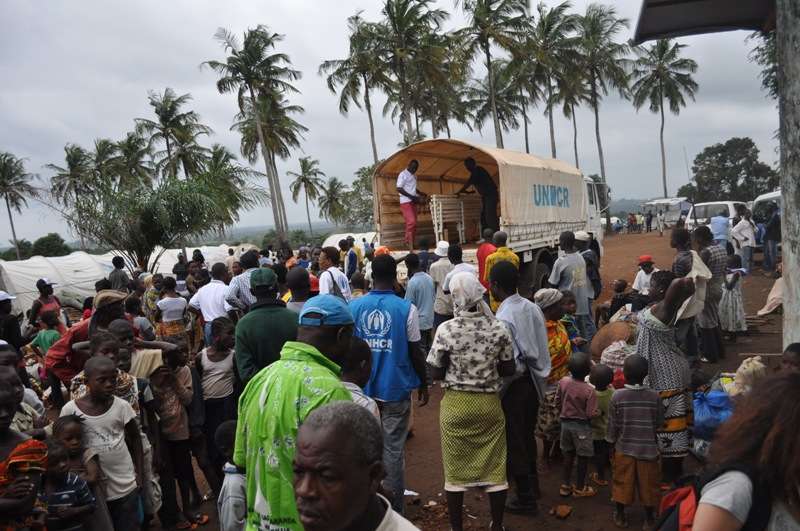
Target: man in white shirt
(209,301)
(230,259)
(338,468)
(410,197)
(641,283)
(443,303)
(456,255)
(331,279)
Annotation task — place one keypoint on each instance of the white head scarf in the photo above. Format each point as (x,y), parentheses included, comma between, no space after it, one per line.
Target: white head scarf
(547,297)
(467,293)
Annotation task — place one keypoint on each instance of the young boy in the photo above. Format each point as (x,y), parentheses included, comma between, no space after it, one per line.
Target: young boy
(634,415)
(67,497)
(601,377)
(578,405)
(112,433)
(106,345)
(569,273)
(641,284)
(790,361)
(232,502)
(570,322)
(356,371)
(47,335)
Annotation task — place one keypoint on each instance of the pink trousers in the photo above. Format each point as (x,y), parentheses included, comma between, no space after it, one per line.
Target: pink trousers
(410,216)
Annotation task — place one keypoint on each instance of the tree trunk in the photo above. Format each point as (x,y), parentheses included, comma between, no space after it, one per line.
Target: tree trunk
(169,157)
(575,136)
(447,127)
(13,230)
(368,107)
(308,215)
(416,123)
(663,154)
(550,119)
(498,133)
(281,202)
(595,107)
(788,42)
(404,100)
(273,196)
(525,121)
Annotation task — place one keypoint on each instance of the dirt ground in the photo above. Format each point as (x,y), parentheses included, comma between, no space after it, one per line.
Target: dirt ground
(424,472)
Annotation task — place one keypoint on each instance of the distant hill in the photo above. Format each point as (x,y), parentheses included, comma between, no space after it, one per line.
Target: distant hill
(626,205)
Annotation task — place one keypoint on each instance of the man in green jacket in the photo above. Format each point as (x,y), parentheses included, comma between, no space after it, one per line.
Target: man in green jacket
(261,333)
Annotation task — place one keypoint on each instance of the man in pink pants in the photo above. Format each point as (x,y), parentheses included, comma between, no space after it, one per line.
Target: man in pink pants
(410,197)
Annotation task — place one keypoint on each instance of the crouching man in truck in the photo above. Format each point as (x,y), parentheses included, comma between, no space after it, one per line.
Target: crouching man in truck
(480,179)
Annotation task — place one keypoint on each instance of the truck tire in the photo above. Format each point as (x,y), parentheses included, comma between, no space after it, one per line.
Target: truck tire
(534,277)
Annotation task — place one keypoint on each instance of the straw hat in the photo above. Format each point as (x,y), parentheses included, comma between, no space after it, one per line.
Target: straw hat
(616,331)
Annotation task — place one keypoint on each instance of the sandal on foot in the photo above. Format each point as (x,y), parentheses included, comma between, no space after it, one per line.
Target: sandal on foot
(200,519)
(565,490)
(586,492)
(596,479)
(184,524)
(620,520)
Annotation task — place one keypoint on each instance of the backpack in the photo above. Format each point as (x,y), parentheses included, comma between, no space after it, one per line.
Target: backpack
(592,273)
(678,507)
(337,291)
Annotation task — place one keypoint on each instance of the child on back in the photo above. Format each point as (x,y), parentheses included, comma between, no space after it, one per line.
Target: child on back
(732,317)
(634,416)
(67,497)
(577,402)
(112,433)
(356,370)
(790,360)
(232,502)
(601,377)
(570,304)
(48,334)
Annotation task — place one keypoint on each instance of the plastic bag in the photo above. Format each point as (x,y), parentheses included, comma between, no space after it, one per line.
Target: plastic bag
(710,411)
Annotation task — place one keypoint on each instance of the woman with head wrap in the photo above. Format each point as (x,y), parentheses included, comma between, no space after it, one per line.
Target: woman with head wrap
(548,426)
(470,354)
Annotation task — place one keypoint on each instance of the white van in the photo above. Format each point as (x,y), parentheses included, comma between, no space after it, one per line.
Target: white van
(701,213)
(760,211)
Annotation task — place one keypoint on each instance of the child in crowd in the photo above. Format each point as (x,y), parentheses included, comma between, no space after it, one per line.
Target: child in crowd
(215,367)
(172,387)
(569,304)
(48,334)
(232,502)
(732,318)
(356,371)
(106,345)
(790,361)
(88,308)
(634,416)
(641,284)
(112,433)
(9,357)
(25,420)
(133,313)
(67,497)
(601,377)
(577,402)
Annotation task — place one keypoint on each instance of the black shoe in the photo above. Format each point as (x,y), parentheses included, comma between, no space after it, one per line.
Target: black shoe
(522,506)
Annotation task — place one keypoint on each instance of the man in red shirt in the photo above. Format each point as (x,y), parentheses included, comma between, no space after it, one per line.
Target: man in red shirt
(484,250)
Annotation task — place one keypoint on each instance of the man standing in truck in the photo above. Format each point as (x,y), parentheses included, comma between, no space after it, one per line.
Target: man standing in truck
(480,179)
(410,197)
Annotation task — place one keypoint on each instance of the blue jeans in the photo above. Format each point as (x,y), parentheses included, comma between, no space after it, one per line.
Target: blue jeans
(746,253)
(770,254)
(207,333)
(395,417)
(586,326)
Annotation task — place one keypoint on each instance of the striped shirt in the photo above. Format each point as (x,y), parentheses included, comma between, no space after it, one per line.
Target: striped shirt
(238,294)
(633,418)
(73,492)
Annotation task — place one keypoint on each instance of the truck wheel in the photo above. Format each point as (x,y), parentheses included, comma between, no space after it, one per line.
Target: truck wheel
(534,278)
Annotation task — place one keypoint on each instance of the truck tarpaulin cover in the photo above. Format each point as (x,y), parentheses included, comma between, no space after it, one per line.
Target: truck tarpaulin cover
(541,194)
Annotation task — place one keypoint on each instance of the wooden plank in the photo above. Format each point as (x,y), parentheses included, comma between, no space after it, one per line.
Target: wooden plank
(762,354)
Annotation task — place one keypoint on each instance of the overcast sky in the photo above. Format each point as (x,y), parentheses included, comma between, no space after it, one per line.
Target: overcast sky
(76,71)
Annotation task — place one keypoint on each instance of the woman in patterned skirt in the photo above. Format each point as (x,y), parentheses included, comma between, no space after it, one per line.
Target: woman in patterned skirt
(668,374)
(470,354)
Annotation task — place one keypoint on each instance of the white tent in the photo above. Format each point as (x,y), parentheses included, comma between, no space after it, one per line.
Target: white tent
(333,239)
(74,275)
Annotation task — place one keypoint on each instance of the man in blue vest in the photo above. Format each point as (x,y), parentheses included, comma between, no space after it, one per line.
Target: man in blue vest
(390,325)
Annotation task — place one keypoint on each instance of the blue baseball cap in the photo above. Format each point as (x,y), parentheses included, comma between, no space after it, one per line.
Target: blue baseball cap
(332,309)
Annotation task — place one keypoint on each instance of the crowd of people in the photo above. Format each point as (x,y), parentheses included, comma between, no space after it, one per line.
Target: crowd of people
(287,383)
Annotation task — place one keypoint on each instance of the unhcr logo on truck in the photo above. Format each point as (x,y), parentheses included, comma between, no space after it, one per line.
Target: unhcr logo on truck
(550,195)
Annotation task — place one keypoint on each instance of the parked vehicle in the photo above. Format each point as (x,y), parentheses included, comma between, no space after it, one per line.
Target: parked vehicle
(701,213)
(539,198)
(760,211)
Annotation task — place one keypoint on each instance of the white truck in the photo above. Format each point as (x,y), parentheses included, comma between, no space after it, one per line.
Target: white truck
(539,199)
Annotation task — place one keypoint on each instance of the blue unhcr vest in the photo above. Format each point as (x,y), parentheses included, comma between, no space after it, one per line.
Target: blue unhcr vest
(380,320)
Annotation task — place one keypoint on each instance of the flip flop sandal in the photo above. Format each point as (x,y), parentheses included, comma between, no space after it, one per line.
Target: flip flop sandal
(587,492)
(183,524)
(565,490)
(200,519)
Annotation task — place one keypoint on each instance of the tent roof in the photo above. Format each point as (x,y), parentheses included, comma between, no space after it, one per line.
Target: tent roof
(445,158)
(675,18)
(667,201)
(333,239)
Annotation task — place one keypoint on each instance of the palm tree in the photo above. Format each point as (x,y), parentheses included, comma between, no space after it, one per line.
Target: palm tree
(361,69)
(254,72)
(308,180)
(400,36)
(15,188)
(499,22)
(74,180)
(572,92)
(332,200)
(173,127)
(603,63)
(551,48)
(661,73)
(131,163)
(508,100)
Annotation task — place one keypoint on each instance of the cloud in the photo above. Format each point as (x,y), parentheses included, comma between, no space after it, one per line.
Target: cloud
(77,71)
